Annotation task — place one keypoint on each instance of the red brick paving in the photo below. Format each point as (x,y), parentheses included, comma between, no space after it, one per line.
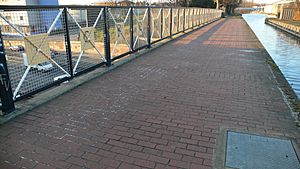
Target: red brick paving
(162,110)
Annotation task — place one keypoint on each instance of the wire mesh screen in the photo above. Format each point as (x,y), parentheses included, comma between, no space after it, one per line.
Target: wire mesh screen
(181,20)
(186,18)
(119,29)
(140,21)
(201,17)
(156,24)
(35,48)
(36,45)
(197,16)
(166,22)
(175,20)
(205,15)
(192,18)
(86,37)
(209,15)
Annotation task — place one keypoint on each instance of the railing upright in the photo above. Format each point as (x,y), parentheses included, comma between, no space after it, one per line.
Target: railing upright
(184,18)
(171,21)
(131,29)
(149,28)
(106,37)
(68,41)
(161,22)
(5,86)
(193,18)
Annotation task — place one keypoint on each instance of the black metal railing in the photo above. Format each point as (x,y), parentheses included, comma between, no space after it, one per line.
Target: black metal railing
(42,46)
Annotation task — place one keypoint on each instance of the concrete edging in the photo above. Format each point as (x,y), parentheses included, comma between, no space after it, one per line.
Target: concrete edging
(288,94)
(283,29)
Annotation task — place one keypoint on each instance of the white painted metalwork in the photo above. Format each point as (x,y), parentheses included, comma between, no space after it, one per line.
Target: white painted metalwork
(120,30)
(38,50)
(175,22)
(166,20)
(156,27)
(87,37)
(140,30)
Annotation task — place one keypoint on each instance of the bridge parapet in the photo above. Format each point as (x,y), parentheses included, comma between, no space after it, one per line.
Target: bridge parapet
(44,46)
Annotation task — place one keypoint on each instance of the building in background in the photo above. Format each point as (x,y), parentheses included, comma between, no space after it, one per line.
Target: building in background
(30,21)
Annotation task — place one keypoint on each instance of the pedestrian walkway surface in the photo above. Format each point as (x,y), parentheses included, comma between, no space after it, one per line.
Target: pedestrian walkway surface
(162,110)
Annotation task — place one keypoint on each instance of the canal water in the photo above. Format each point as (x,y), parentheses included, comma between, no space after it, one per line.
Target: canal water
(283,48)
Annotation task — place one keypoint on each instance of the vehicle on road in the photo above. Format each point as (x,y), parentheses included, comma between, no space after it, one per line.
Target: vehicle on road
(44,66)
(17,48)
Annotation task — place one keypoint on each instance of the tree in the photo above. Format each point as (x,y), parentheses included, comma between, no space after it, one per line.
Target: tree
(203,3)
(229,5)
(183,3)
(172,3)
(113,2)
(297,12)
(298,4)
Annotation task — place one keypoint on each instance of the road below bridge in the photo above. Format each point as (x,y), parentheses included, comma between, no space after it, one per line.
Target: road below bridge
(164,109)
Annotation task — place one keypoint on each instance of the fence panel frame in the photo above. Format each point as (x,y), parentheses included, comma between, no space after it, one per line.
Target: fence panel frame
(192,18)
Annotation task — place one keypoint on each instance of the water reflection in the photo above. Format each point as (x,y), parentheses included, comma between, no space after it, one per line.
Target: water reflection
(283,48)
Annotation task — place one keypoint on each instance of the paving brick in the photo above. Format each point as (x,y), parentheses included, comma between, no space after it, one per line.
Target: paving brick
(146,144)
(90,149)
(159,141)
(43,166)
(184,151)
(125,158)
(26,163)
(76,161)
(129,140)
(9,166)
(120,150)
(161,166)
(106,153)
(192,159)
(128,166)
(60,164)
(158,159)
(91,157)
(172,155)
(179,164)
(144,163)
(199,166)
(162,110)
(110,162)
(140,155)
(197,148)
(112,136)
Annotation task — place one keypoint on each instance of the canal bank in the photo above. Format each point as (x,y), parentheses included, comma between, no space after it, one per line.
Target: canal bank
(283,48)
(165,109)
(291,27)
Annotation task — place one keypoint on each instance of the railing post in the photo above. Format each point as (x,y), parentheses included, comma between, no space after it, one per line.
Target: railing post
(68,42)
(149,28)
(178,19)
(183,19)
(131,29)
(106,37)
(161,22)
(171,21)
(193,18)
(5,86)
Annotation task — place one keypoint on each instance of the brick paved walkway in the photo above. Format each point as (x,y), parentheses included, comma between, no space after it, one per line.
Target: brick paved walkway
(162,110)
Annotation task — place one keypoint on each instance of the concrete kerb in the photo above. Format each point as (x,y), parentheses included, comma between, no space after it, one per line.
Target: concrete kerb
(288,94)
(43,97)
